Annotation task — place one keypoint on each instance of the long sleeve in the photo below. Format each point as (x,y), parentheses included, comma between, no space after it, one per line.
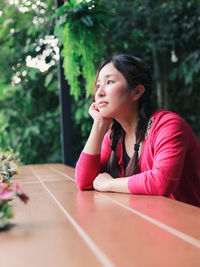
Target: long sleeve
(168,145)
(89,166)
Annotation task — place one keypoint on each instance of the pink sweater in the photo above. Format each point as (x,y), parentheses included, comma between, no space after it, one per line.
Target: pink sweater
(169,164)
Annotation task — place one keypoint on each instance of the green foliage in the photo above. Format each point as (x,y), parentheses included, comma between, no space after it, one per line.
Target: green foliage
(5,213)
(32,125)
(164,33)
(78,28)
(8,165)
(8,188)
(29,104)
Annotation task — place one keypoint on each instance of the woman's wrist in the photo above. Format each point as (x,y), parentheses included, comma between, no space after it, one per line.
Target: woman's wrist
(119,185)
(105,182)
(100,126)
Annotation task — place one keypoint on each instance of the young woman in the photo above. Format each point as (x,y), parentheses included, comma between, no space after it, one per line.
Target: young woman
(149,151)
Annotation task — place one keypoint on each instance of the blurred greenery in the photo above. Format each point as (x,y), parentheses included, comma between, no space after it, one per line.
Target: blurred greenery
(164,33)
(29,105)
(167,35)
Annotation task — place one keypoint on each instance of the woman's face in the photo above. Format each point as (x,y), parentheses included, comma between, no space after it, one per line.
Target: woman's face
(113,97)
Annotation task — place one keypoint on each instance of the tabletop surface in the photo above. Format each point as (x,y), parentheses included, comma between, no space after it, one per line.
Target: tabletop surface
(62,226)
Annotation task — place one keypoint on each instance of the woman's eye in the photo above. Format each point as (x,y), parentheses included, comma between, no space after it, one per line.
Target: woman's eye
(109,81)
(98,86)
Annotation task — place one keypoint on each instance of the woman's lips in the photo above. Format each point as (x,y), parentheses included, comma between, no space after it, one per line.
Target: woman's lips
(102,104)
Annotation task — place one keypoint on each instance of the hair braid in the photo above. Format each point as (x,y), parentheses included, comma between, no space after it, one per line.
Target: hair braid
(141,128)
(115,136)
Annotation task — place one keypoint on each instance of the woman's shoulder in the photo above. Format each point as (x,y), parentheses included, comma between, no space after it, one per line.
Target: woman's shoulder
(169,127)
(165,115)
(169,121)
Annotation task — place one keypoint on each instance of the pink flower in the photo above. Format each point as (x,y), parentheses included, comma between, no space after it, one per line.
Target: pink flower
(20,193)
(6,192)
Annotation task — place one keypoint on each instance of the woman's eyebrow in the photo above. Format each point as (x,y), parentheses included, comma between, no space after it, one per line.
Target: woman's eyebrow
(107,76)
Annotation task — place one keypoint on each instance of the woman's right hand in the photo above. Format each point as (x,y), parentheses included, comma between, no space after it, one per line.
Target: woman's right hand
(96,115)
(99,128)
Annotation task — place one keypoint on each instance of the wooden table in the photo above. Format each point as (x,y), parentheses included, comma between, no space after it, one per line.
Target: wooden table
(62,226)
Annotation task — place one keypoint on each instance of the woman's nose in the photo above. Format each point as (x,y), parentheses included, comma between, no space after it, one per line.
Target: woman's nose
(100,91)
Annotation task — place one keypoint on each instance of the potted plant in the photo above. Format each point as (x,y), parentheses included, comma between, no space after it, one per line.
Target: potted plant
(9,188)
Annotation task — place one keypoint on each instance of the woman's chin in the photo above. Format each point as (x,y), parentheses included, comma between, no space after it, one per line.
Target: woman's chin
(106,115)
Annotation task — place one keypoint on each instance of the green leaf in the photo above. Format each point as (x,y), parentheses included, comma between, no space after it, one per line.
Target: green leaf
(48,79)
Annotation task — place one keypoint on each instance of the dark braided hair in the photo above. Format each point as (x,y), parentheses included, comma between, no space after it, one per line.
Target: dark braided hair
(136,72)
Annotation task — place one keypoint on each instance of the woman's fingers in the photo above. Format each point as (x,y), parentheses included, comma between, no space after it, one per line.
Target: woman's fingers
(96,114)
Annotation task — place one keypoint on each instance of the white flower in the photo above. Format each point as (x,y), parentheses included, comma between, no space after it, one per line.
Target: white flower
(174,58)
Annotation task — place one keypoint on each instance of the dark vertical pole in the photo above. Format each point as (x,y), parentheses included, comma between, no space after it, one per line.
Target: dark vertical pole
(65,116)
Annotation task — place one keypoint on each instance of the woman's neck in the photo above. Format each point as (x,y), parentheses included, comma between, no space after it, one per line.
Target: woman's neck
(129,122)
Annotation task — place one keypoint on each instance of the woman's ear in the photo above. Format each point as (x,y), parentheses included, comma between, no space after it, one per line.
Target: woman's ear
(137,92)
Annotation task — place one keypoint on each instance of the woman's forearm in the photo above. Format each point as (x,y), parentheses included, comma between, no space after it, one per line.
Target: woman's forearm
(119,185)
(93,144)
(105,182)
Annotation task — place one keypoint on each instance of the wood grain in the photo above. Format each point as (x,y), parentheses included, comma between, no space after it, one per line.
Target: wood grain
(62,226)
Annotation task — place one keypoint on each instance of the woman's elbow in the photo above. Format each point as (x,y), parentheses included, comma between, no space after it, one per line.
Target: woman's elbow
(83,186)
(163,192)
(164,189)
(80,186)
(83,180)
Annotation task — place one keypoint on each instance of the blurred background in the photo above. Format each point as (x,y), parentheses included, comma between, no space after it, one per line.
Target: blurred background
(166,34)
